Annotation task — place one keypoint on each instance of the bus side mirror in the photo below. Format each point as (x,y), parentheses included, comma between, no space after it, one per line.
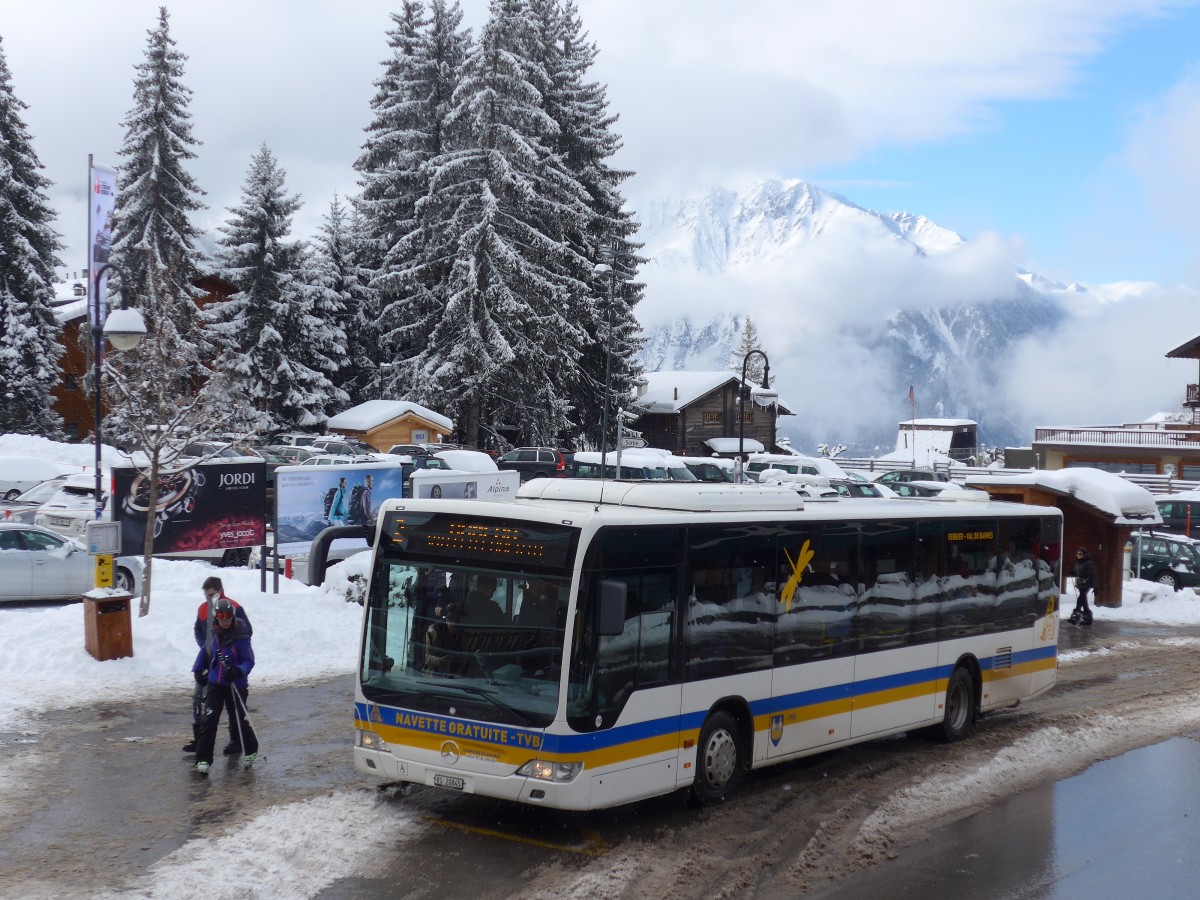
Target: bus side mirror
(612,608)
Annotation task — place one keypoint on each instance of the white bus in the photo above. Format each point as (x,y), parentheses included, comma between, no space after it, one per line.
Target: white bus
(595,643)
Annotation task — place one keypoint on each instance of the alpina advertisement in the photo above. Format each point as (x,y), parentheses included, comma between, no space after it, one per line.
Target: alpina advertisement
(214,506)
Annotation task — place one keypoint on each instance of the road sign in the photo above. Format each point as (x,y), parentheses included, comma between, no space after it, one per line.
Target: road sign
(632,443)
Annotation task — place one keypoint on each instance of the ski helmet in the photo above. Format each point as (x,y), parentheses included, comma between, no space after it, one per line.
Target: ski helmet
(223,610)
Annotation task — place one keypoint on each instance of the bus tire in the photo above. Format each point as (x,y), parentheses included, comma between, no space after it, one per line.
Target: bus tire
(959,716)
(718,759)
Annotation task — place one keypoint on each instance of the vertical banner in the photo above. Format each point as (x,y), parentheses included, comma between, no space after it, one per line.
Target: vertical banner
(102,198)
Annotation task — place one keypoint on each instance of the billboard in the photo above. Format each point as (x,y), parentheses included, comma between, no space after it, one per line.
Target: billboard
(214,506)
(309,499)
(432,484)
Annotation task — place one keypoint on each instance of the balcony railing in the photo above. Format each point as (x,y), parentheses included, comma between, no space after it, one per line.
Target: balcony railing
(1117,437)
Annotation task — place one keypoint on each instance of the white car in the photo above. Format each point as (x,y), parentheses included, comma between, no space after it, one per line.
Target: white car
(19,473)
(37,564)
(73,506)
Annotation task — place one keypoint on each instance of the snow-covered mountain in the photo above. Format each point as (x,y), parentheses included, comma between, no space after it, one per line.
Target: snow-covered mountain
(857,303)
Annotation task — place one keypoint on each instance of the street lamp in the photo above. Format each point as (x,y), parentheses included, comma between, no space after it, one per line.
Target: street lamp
(124,328)
(385,369)
(743,397)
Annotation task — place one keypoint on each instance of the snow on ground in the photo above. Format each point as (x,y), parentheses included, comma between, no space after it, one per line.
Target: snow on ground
(300,634)
(297,849)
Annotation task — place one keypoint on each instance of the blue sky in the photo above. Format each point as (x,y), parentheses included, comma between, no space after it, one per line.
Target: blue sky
(1052,170)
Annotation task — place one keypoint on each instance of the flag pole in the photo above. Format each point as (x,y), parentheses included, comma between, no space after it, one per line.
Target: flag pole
(912,399)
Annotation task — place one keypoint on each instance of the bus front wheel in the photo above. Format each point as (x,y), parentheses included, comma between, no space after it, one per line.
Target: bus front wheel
(718,759)
(960,706)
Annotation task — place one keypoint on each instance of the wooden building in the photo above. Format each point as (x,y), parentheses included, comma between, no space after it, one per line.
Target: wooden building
(385,423)
(72,395)
(697,414)
(1100,511)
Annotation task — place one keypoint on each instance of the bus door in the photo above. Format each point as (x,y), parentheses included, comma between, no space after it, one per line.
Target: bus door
(813,676)
(895,677)
(625,688)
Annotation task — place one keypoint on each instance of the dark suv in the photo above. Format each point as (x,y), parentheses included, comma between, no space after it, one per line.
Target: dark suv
(1166,558)
(1180,513)
(537,462)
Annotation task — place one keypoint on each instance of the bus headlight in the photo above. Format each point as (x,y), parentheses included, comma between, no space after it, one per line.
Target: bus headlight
(369,740)
(544,770)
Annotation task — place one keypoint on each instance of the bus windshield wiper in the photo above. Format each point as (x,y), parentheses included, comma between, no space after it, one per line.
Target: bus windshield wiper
(495,701)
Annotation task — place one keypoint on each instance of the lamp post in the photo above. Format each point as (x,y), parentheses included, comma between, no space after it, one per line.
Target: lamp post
(385,369)
(743,396)
(124,328)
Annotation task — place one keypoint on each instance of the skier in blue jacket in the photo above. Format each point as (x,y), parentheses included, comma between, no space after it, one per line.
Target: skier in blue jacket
(228,658)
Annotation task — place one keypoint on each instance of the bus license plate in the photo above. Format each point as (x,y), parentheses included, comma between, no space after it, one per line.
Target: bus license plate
(449,781)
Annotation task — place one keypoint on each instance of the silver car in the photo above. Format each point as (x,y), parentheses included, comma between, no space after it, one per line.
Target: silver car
(37,564)
(25,507)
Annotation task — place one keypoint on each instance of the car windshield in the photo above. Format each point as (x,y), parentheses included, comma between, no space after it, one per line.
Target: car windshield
(40,493)
(71,496)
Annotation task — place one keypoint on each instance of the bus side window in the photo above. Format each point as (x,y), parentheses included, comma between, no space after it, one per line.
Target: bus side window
(884,617)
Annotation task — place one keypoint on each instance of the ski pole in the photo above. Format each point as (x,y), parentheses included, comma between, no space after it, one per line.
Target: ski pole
(237,717)
(245,715)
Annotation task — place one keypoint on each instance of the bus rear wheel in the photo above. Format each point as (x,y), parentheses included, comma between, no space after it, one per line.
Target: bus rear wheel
(718,759)
(960,707)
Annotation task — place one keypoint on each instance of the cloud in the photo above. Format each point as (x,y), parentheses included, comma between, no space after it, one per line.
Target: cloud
(1108,364)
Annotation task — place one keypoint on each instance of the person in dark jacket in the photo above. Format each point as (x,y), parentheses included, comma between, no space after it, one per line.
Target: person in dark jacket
(202,631)
(1085,582)
(228,659)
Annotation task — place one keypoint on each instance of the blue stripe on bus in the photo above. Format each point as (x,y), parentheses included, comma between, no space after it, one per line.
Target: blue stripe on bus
(688,721)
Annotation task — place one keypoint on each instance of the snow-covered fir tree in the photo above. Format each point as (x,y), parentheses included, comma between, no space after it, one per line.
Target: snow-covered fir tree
(336,266)
(508,338)
(747,344)
(29,332)
(586,142)
(408,130)
(269,339)
(154,241)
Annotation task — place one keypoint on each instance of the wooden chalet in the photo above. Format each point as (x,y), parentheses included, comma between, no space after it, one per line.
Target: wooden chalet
(697,414)
(72,397)
(385,423)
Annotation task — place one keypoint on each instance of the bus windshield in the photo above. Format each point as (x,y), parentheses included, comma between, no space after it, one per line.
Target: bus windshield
(457,625)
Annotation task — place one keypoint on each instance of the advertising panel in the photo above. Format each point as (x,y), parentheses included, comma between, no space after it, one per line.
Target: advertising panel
(309,499)
(214,506)
(434,485)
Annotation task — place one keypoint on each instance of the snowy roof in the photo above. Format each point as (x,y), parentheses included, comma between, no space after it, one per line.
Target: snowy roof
(669,392)
(937,423)
(1126,502)
(73,309)
(374,413)
(731,445)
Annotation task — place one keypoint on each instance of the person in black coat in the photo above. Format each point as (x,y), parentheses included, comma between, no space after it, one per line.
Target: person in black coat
(1085,582)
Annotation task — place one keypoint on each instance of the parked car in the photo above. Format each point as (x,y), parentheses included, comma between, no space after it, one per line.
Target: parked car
(291,455)
(914,488)
(900,475)
(792,464)
(849,487)
(537,462)
(409,450)
(716,470)
(294,439)
(811,487)
(343,446)
(1169,559)
(37,564)
(336,459)
(73,505)
(25,506)
(1180,513)
(19,473)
